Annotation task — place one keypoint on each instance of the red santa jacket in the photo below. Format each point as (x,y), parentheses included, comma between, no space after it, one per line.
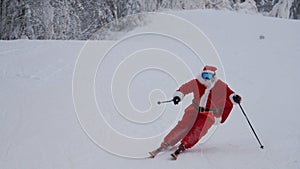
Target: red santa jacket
(216,96)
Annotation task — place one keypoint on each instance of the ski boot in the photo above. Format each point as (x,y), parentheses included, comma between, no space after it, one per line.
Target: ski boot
(162,148)
(181,148)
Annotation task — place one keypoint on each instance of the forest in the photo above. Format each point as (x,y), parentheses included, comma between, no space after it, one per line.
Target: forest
(82,19)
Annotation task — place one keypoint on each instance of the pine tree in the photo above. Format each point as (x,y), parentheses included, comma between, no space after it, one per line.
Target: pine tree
(281,9)
(295,10)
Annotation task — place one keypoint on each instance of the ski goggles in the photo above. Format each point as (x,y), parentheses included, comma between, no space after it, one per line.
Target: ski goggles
(206,75)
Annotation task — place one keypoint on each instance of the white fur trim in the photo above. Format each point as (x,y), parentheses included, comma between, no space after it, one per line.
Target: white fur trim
(209,84)
(218,120)
(204,98)
(179,94)
(231,98)
(209,71)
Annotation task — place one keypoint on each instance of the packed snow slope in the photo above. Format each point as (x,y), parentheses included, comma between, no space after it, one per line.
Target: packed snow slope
(260,56)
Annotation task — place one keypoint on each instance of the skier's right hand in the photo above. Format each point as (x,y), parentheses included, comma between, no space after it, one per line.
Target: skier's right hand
(176,99)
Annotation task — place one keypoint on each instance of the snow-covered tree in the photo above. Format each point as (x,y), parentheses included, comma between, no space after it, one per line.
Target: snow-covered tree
(12,19)
(223,4)
(248,6)
(282,9)
(196,4)
(295,10)
(150,5)
(60,19)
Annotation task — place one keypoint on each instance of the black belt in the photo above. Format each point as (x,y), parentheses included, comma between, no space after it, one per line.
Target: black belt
(202,109)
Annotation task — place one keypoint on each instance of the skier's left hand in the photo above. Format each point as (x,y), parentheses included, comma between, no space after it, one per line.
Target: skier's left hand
(236,98)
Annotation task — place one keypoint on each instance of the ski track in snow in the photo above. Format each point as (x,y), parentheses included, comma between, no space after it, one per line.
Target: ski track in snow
(39,127)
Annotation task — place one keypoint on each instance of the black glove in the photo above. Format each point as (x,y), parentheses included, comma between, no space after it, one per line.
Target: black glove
(176,100)
(236,98)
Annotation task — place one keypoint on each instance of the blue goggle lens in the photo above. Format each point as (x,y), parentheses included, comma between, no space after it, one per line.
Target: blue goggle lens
(208,76)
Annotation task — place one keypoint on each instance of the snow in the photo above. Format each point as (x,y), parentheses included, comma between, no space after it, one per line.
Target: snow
(39,126)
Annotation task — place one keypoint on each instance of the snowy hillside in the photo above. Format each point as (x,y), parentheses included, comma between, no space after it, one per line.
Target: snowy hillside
(39,127)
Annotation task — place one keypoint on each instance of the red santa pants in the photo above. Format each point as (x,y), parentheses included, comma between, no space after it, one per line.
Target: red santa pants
(183,126)
(199,129)
(192,127)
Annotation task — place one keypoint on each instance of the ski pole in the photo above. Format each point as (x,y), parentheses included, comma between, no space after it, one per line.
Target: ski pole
(166,101)
(261,146)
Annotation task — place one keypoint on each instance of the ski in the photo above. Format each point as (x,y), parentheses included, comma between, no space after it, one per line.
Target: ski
(174,156)
(162,148)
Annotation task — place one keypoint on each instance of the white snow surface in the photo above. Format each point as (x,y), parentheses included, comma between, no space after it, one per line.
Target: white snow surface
(39,127)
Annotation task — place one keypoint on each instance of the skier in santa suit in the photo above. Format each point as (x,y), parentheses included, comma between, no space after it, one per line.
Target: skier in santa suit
(212,104)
